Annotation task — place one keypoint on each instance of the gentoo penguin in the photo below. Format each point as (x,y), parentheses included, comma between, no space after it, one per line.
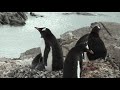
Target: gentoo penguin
(73,62)
(37,62)
(83,40)
(53,55)
(94,43)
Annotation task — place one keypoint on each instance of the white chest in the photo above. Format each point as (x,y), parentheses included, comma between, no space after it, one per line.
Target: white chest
(49,61)
(85,57)
(78,69)
(42,46)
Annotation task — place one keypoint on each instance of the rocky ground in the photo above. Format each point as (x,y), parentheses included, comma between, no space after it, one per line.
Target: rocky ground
(21,67)
(13,18)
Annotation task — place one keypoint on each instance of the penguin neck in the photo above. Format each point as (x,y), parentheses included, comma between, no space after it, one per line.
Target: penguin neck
(85,57)
(94,34)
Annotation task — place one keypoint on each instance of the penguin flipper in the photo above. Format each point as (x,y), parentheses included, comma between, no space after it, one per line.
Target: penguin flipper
(46,52)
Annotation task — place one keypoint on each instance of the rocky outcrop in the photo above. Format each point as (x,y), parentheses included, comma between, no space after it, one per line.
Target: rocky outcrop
(13,18)
(35,15)
(30,53)
(105,69)
(79,13)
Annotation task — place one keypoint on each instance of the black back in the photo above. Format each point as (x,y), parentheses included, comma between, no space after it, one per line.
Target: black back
(95,44)
(82,40)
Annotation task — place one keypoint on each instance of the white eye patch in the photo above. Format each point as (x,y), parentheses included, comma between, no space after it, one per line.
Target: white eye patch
(87,46)
(98,27)
(44,29)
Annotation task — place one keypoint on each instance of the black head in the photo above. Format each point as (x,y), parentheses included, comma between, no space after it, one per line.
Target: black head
(96,29)
(84,47)
(93,25)
(44,32)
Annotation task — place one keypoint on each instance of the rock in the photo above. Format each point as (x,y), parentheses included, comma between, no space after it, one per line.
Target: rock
(30,53)
(85,13)
(13,18)
(114,56)
(69,39)
(112,44)
(23,15)
(79,13)
(33,14)
(11,74)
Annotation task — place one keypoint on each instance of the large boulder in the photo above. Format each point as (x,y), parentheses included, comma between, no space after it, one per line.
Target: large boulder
(30,53)
(13,18)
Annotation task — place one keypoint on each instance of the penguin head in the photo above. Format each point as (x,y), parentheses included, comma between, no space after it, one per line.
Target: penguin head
(96,29)
(94,24)
(86,48)
(44,32)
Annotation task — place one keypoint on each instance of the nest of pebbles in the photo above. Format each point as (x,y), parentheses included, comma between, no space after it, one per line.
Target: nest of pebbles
(94,69)
(27,72)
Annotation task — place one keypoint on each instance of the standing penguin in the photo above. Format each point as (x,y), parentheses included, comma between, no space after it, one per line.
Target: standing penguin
(94,43)
(53,55)
(73,62)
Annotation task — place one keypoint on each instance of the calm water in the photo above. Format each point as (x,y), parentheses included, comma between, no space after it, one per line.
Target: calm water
(15,40)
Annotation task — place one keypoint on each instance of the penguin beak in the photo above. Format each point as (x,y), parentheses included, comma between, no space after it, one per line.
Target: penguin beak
(37,28)
(90,51)
(40,30)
